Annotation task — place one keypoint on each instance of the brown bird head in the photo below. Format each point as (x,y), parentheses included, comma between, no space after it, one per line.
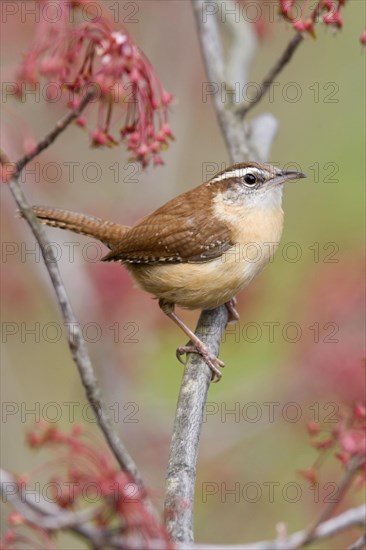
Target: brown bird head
(252,183)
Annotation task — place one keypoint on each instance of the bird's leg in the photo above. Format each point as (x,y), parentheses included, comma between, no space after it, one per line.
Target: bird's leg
(197,346)
(232,311)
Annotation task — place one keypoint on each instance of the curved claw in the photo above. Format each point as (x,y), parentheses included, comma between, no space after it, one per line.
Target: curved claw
(181,351)
(214,363)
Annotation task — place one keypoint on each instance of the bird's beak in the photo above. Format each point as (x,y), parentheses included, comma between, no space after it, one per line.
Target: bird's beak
(292,175)
(286,175)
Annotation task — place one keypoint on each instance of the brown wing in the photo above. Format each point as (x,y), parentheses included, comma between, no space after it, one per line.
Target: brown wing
(182,230)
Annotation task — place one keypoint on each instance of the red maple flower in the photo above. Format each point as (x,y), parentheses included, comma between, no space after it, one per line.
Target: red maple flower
(347,439)
(303,19)
(82,466)
(78,56)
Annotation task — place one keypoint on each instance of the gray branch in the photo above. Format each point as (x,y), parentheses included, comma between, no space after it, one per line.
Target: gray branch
(181,472)
(355,517)
(273,73)
(47,515)
(360,543)
(75,338)
(61,125)
(42,513)
(181,475)
(231,125)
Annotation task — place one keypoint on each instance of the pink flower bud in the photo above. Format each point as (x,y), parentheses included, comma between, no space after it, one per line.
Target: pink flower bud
(155,147)
(81,121)
(74,103)
(98,137)
(363,37)
(353,442)
(52,67)
(313,428)
(166,98)
(134,139)
(343,457)
(325,444)
(158,161)
(135,76)
(142,150)
(360,411)
(333,19)
(286,5)
(15,519)
(309,474)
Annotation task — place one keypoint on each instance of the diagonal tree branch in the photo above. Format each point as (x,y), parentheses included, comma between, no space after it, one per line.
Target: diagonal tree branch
(355,517)
(285,58)
(359,544)
(75,338)
(351,470)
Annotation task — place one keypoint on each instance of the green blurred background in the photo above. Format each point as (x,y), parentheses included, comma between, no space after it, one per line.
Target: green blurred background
(311,378)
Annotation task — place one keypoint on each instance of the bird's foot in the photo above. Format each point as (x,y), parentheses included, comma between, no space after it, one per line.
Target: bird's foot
(214,363)
(232,311)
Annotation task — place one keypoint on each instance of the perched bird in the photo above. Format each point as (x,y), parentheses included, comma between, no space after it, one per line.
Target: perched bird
(199,249)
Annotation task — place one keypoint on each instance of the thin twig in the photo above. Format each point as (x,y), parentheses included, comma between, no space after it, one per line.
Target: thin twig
(355,517)
(43,513)
(75,338)
(56,517)
(286,56)
(344,485)
(359,544)
(61,125)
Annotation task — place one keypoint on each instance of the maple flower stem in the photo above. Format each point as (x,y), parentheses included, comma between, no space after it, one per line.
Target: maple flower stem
(49,138)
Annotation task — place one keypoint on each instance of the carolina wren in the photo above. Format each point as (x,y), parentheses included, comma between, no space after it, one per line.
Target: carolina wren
(194,250)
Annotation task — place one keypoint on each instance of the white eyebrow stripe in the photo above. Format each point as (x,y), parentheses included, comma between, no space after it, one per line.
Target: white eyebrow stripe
(238,173)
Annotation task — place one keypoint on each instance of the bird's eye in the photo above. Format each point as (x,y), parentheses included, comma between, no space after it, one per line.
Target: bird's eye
(250,179)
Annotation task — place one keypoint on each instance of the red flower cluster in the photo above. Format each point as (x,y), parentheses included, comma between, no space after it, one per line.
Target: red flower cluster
(347,439)
(86,474)
(78,56)
(328,11)
(31,535)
